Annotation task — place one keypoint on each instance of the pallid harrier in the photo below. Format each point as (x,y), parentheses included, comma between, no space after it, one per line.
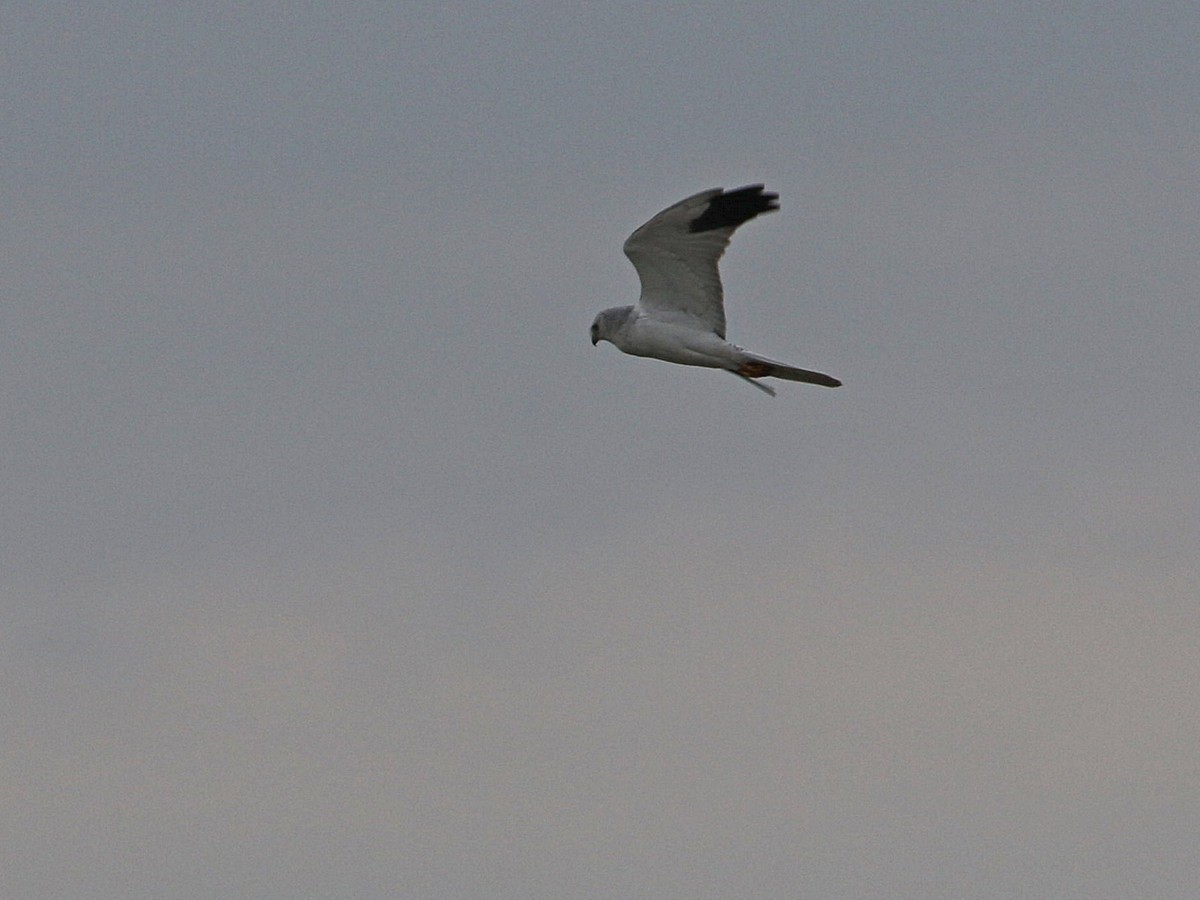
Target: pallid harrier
(680,315)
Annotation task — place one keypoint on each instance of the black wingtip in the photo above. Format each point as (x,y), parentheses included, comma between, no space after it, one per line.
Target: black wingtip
(732,208)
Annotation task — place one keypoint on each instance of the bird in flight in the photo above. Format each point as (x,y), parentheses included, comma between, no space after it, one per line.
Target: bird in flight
(680,315)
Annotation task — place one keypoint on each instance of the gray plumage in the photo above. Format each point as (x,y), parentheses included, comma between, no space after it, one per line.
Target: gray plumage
(680,315)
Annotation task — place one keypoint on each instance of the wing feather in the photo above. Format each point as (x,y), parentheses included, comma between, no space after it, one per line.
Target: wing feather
(677,251)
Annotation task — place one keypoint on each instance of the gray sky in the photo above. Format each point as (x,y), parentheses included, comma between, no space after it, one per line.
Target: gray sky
(337,563)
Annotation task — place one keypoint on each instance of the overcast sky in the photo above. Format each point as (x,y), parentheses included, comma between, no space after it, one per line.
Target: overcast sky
(336,562)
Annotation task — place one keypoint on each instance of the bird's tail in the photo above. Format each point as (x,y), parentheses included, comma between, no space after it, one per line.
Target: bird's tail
(760,367)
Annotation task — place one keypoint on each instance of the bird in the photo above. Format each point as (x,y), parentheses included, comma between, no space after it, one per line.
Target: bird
(680,314)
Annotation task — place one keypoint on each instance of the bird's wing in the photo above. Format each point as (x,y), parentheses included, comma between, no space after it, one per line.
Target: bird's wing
(677,251)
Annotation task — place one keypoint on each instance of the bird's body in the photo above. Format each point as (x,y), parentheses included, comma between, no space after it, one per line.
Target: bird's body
(680,315)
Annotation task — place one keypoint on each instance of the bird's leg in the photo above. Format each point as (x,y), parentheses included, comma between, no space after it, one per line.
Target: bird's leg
(753,369)
(762,387)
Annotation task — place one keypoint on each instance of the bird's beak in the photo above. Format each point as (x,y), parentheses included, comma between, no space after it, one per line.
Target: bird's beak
(595,340)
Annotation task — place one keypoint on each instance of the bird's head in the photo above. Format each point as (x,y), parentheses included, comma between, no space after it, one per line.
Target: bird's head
(606,324)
